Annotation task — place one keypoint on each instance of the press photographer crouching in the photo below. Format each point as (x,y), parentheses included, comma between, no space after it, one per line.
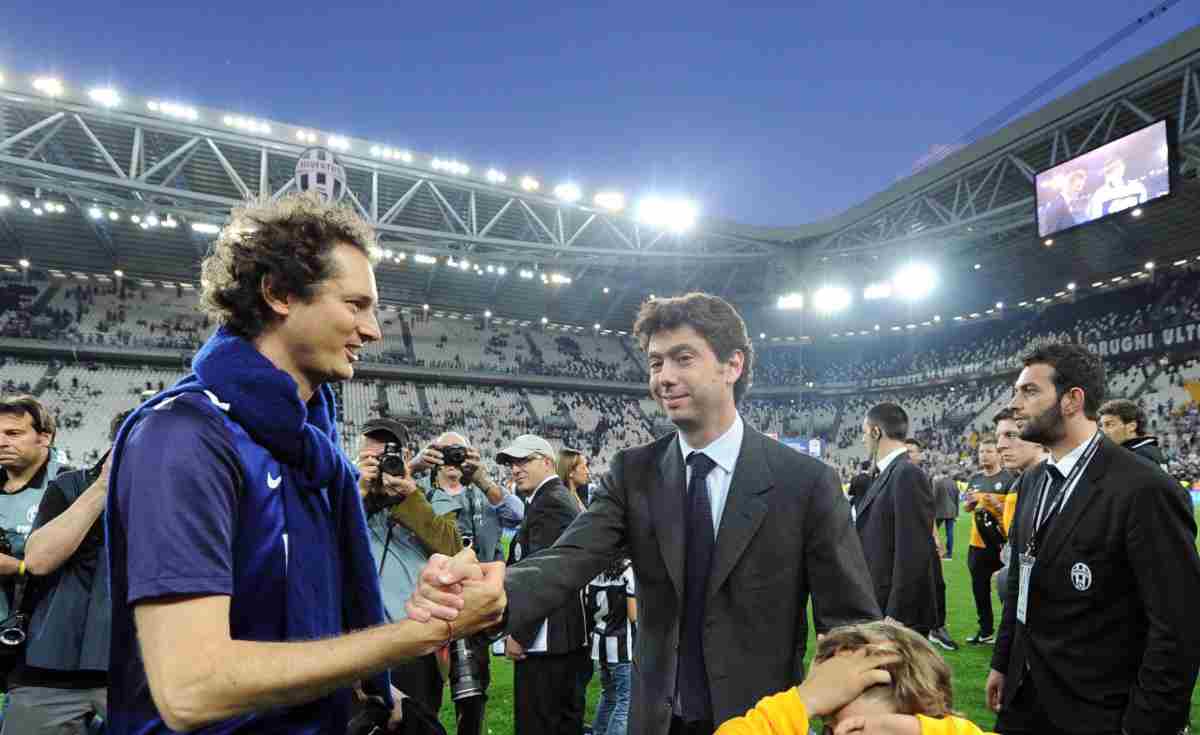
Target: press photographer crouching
(405,528)
(459,480)
(60,677)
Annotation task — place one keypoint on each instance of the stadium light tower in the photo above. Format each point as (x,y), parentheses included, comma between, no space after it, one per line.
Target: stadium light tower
(790,301)
(914,281)
(676,215)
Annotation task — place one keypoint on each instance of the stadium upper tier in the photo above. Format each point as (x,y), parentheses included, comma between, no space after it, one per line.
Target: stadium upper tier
(136,316)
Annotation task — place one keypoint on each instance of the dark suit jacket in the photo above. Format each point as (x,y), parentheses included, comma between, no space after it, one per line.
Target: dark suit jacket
(549,513)
(895,526)
(785,533)
(1110,636)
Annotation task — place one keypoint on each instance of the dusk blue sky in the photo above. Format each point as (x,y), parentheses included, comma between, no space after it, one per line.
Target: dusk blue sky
(765,114)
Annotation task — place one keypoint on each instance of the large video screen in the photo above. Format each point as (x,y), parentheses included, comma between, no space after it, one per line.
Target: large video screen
(1121,175)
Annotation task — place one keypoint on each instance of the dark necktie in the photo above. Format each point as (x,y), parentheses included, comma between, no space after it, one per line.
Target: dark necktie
(695,702)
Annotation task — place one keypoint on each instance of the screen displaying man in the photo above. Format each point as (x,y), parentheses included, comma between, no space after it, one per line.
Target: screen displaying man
(1115,194)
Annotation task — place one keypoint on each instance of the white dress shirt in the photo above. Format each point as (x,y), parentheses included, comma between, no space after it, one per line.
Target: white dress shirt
(1070,459)
(539,642)
(891,457)
(724,451)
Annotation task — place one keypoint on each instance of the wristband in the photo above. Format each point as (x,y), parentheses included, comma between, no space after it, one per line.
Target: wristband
(21,569)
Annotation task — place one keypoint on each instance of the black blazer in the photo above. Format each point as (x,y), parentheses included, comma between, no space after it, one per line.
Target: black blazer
(549,513)
(895,525)
(785,533)
(1110,638)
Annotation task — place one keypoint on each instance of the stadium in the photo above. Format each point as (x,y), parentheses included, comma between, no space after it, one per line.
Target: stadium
(507,301)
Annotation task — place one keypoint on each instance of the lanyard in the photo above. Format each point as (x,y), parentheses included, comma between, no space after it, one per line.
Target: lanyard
(1044,513)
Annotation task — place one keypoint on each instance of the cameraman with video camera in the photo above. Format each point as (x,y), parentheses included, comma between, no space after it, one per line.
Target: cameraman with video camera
(405,529)
(459,480)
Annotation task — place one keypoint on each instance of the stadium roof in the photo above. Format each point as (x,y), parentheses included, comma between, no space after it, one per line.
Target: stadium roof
(156,158)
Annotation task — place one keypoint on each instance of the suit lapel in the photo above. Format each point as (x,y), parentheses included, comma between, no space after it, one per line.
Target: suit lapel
(1082,499)
(745,508)
(878,485)
(667,504)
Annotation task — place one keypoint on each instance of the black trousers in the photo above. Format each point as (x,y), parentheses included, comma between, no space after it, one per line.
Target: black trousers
(679,727)
(1027,716)
(939,592)
(547,699)
(421,680)
(983,563)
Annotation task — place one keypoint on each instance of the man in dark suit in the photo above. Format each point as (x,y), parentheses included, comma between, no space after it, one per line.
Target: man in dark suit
(1098,634)
(895,524)
(719,520)
(551,653)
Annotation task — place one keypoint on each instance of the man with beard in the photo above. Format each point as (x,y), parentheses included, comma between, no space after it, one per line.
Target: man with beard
(1098,633)
(985,498)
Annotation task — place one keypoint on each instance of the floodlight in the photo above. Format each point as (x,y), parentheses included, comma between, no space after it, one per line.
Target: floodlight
(830,299)
(526,274)
(676,215)
(105,96)
(5,201)
(495,177)
(205,228)
(914,281)
(424,259)
(95,213)
(568,192)
(487,314)
(119,273)
(613,201)
(49,86)
(528,183)
(790,301)
(501,271)
(23,262)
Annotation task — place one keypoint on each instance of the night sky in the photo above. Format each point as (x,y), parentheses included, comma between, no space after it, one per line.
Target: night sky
(765,114)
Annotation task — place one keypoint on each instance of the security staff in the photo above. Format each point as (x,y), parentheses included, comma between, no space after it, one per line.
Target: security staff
(1098,634)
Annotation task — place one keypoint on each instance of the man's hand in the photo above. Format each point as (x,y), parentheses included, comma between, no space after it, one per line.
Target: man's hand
(835,682)
(439,592)
(879,725)
(102,480)
(970,500)
(429,459)
(473,468)
(512,650)
(368,472)
(995,690)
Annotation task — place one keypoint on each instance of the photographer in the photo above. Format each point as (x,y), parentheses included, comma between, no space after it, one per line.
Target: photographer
(459,480)
(61,676)
(405,528)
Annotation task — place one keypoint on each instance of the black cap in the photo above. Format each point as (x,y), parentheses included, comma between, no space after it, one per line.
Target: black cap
(394,429)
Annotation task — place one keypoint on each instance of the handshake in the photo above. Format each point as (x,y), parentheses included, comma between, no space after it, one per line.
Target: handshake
(467,595)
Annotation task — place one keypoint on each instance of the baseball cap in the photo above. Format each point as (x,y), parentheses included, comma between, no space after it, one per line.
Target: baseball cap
(393,428)
(524,446)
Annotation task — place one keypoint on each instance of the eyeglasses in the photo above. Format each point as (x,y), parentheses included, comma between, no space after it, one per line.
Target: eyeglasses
(524,460)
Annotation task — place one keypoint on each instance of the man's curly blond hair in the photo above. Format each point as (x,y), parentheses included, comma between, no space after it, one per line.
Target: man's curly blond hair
(288,241)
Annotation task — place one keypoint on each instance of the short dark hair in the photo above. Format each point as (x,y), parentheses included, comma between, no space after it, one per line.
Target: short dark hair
(115,425)
(1008,413)
(910,441)
(1126,410)
(986,439)
(891,419)
(1074,367)
(27,405)
(712,317)
(289,242)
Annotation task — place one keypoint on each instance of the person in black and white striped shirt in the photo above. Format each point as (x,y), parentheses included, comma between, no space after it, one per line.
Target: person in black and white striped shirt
(612,607)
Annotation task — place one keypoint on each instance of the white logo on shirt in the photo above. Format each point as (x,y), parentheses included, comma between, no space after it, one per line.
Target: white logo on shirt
(273,482)
(1081,576)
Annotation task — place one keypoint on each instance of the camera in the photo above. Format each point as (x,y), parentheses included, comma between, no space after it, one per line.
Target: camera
(466,678)
(454,454)
(391,462)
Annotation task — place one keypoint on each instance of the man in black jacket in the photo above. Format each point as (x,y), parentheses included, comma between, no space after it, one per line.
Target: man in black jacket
(1124,422)
(549,655)
(895,524)
(1098,634)
(62,678)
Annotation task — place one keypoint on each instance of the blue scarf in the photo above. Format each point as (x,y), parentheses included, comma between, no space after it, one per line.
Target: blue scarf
(264,401)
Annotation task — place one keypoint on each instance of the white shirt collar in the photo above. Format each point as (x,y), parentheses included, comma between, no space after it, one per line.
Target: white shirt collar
(533,494)
(891,457)
(723,450)
(1070,459)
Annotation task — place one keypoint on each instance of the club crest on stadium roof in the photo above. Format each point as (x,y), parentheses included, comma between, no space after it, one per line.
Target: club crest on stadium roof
(320,171)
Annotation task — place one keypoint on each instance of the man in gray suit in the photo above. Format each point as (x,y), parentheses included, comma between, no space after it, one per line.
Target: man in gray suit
(718,519)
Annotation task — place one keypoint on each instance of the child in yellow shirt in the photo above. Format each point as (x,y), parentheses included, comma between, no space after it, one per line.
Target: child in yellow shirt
(868,679)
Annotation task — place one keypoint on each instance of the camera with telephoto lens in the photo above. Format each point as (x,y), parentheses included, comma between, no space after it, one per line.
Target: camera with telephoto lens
(391,462)
(466,672)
